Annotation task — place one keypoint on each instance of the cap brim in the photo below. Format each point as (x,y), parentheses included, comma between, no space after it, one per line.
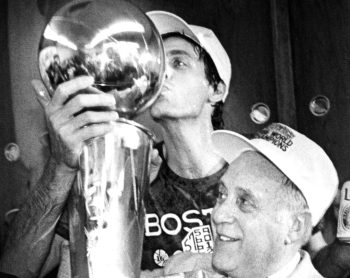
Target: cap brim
(169,23)
(230,144)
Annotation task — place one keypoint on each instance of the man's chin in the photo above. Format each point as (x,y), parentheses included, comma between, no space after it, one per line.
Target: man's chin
(159,115)
(156,111)
(156,119)
(222,265)
(218,262)
(155,115)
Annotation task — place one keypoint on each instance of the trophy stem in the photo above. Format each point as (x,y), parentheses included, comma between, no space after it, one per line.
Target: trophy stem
(114,172)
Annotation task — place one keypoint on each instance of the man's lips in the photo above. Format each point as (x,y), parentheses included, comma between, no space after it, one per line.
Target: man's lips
(163,90)
(227,239)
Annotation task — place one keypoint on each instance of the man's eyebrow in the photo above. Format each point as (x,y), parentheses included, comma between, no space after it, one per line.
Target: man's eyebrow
(246,192)
(178,52)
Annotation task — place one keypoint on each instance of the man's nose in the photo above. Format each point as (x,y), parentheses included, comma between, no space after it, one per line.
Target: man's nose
(168,70)
(224,212)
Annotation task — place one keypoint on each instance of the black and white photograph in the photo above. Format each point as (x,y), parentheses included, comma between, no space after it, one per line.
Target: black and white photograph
(175,139)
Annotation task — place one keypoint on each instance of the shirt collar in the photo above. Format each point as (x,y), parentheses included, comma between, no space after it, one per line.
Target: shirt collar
(287,270)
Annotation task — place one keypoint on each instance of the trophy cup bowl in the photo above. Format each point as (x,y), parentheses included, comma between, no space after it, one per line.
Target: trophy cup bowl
(112,41)
(117,44)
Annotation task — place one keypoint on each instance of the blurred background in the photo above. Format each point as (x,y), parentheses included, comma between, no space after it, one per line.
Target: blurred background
(290,63)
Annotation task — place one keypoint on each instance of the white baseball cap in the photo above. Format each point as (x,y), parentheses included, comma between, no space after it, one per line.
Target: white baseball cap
(170,23)
(301,160)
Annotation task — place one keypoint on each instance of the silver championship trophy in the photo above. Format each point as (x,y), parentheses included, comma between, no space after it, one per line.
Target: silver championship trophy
(119,46)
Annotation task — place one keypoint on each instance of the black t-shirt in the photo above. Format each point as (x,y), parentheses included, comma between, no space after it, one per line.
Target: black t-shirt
(178,215)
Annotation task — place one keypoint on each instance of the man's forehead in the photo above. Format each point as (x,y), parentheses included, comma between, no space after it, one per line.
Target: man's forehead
(179,46)
(252,167)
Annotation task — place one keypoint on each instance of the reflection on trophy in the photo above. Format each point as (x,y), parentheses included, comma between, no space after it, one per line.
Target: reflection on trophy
(116,43)
(114,175)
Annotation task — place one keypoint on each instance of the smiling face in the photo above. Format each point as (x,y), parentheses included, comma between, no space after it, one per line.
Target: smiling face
(186,89)
(249,222)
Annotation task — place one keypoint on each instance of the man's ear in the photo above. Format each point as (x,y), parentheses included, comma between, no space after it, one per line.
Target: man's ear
(218,94)
(300,229)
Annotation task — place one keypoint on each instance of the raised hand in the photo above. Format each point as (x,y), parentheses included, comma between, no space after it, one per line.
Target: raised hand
(69,119)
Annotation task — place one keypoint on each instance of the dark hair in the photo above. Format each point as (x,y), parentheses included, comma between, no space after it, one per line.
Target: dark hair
(211,74)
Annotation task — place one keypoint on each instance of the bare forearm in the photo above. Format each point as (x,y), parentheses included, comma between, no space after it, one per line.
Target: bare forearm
(328,261)
(32,231)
